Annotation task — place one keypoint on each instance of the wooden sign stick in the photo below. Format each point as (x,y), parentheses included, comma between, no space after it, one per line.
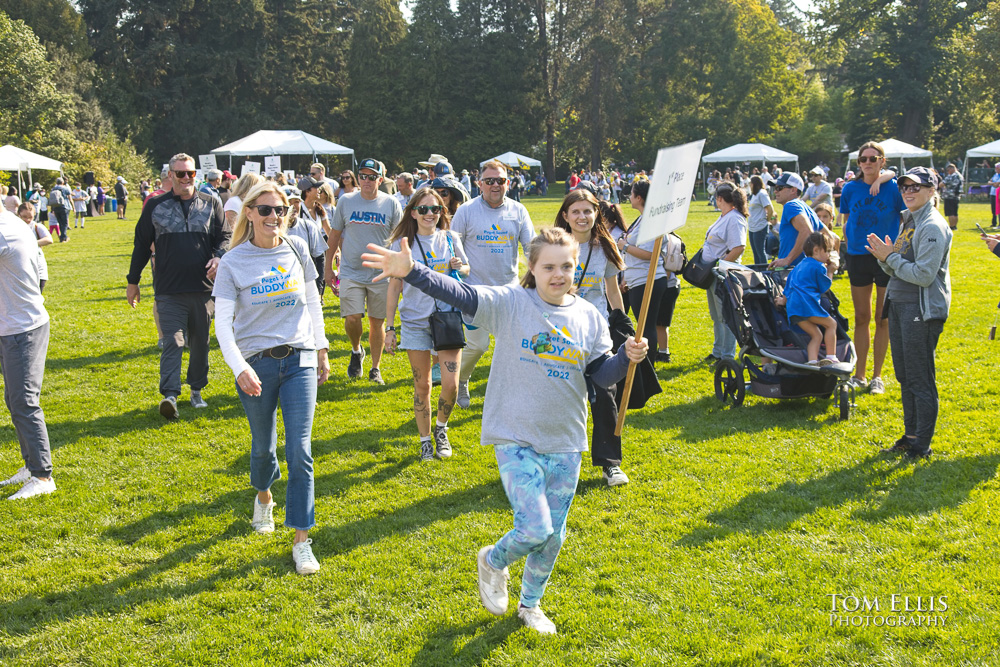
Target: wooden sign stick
(643,311)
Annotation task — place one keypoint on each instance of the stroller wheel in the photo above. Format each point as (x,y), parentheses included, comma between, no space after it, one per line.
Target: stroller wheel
(844,398)
(729,385)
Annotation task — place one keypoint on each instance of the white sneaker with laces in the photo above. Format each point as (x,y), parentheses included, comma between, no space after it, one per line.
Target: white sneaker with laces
(263,516)
(492,584)
(614,476)
(34,487)
(197,401)
(20,477)
(877,386)
(305,562)
(535,619)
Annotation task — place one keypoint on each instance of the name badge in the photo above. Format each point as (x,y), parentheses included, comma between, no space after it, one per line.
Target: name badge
(307,359)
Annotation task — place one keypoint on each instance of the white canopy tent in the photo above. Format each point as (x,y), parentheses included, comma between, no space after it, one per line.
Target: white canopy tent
(513,160)
(894,148)
(751,153)
(991,149)
(17,159)
(282,142)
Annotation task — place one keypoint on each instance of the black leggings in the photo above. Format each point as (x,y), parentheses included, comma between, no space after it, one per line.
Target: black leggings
(635,303)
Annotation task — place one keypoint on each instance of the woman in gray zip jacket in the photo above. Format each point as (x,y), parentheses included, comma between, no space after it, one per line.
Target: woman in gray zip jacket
(917,299)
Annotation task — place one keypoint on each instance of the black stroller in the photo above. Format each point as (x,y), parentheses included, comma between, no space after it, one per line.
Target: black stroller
(772,351)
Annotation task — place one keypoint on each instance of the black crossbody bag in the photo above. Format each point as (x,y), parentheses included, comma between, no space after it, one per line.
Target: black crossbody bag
(446,325)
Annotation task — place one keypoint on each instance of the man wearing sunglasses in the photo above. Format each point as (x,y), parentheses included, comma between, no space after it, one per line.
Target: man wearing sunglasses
(362,217)
(798,221)
(187,228)
(491,226)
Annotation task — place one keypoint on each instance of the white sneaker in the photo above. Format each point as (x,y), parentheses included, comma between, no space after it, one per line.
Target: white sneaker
(168,407)
(263,517)
(463,400)
(34,487)
(197,401)
(614,476)
(305,562)
(492,584)
(877,386)
(535,619)
(20,477)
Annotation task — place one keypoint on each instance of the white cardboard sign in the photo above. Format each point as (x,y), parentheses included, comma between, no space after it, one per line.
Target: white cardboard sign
(250,168)
(272,165)
(670,190)
(207,162)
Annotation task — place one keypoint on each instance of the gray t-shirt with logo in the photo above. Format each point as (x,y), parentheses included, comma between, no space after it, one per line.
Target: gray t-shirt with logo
(21,299)
(490,237)
(362,222)
(268,286)
(590,285)
(537,395)
(416,306)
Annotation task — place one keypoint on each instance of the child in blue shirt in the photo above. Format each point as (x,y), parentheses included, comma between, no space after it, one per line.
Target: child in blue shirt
(806,285)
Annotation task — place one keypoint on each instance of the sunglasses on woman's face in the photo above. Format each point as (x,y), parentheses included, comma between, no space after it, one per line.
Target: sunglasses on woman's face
(424,210)
(869,158)
(264,210)
(912,188)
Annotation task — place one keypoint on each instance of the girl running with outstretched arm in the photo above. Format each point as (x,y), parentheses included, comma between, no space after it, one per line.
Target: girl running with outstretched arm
(549,343)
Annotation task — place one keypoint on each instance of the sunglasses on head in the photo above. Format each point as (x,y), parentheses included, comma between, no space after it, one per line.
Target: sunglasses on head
(424,210)
(185,174)
(264,210)
(368,177)
(869,158)
(494,180)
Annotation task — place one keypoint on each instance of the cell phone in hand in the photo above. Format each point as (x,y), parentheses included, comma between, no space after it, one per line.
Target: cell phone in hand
(980,228)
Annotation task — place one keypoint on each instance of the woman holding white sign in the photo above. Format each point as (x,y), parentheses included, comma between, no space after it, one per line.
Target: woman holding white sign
(725,239)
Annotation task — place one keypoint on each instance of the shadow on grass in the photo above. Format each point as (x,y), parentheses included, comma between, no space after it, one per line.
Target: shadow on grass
(484,637)
(404,436)
(931,486)
(109,357)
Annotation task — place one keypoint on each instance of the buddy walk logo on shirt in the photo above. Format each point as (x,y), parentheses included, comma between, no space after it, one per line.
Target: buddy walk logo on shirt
(495,235)
(555,345)
(276,282)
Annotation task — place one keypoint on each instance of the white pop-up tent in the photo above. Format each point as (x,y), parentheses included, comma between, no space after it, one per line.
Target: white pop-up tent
(17,159)
(513,160)
(282,142)
(751,153)
(894,148)
(991,149)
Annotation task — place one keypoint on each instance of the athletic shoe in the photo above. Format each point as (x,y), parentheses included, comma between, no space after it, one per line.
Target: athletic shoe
(463,401)
(614,476)
(877,386)
(663,356)
(436,374)
(168,407)
(375,375)
(34,487)
(711,360)
(263,516)
(535,619)
(492,584)
(441,441)
(354,367)
(824,362)
(901,447)
(20,477)
(858,383)
(914,454)
(197,401)
(305,562)
(426,449)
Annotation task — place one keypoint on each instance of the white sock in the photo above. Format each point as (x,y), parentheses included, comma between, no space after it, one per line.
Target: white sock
(440,425)
(426,438)
(357,350)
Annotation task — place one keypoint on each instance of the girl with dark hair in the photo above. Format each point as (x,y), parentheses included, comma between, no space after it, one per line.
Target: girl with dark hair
(348,184)
(548,343)
(426,227)
(725,239)
(596,281)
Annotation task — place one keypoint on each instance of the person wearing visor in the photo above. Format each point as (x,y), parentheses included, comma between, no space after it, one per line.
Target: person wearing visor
(917,301)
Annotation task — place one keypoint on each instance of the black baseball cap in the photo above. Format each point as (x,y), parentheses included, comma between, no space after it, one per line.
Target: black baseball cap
(373,164)
(921,176)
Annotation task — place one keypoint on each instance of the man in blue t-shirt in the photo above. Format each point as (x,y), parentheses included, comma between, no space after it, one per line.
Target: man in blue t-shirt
(798,221)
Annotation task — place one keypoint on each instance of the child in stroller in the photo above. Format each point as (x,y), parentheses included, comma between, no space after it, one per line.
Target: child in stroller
(806,285)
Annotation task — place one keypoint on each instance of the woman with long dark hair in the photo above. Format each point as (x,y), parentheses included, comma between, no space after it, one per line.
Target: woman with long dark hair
(725,239)
(761,214)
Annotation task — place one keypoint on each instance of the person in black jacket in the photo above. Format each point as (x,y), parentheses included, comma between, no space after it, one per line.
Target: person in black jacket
(187,227)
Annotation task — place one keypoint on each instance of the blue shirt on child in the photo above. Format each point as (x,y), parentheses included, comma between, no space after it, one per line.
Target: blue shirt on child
(806,284)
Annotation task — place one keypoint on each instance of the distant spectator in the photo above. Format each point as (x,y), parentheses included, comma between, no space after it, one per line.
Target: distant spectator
(951,192)
(11,201)
(59,203)
(121,195)
(101,196)
(79,198)
(213,179)
(819,191)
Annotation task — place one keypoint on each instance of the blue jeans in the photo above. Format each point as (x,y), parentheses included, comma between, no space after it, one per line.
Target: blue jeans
(295,387)
(540,488)
(22,364)
(724,342)
(757,245)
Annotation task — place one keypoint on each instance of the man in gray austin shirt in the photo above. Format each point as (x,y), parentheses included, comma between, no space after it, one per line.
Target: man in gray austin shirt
(362,217)
(490,226)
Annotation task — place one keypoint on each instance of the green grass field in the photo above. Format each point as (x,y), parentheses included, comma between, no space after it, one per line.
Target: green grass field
(725,549)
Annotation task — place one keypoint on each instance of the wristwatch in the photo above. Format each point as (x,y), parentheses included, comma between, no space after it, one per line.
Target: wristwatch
(392,329)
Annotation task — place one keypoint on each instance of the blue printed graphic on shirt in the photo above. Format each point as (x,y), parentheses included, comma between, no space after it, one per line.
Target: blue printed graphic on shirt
(278,287)
(555,351)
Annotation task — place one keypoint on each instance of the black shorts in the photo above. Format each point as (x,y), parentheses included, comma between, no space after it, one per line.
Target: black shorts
(863,270)
(666,314)
(950,207)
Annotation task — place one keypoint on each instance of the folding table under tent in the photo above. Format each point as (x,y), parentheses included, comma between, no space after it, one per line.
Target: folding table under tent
(17,159)
(750,153)
(282,142)
(991,149)
(513,160)
(894,148)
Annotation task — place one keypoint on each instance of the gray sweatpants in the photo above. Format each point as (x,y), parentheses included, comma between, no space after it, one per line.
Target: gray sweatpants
(183,315)
(22,362)
(913,342)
